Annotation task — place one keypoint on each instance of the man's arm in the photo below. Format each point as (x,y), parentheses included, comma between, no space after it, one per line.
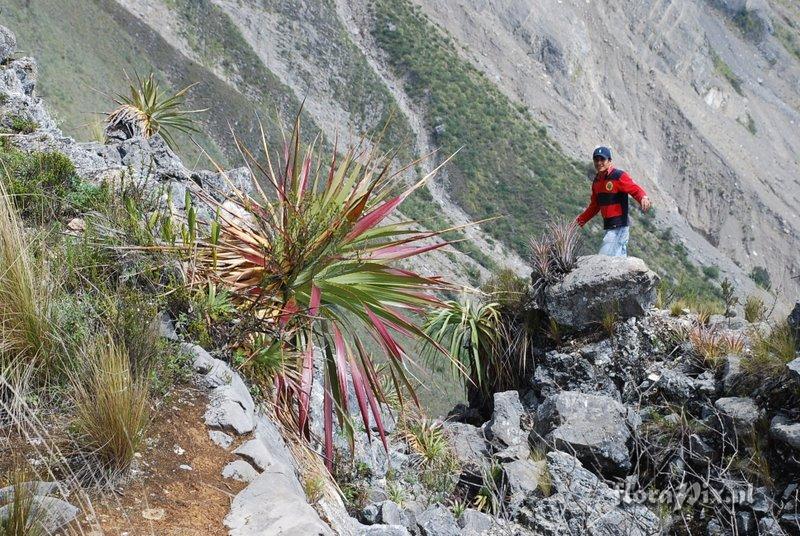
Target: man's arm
(627,185)
(589,213)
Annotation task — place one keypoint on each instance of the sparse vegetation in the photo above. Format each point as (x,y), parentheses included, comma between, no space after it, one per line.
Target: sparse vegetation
(725,71)
(23,125)
(771,352)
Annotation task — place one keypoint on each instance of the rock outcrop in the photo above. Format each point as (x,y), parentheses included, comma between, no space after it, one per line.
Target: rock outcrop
(601,285)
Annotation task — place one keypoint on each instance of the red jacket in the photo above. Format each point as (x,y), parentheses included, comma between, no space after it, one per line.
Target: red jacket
(610,192)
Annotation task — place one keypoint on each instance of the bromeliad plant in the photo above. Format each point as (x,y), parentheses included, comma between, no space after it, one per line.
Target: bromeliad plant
(152,112)
(309,258)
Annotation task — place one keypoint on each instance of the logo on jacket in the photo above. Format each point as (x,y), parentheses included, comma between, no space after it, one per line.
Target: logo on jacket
(609,186)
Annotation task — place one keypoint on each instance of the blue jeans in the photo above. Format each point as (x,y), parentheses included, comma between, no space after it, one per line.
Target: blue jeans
(615,242)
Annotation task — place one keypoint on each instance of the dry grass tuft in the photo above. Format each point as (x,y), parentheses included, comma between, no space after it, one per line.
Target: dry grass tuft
(24,301)
(111,406)
(754,309)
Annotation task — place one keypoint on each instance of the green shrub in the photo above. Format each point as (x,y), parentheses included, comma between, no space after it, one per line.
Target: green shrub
(711,272)
(760,276)
(39,183)
(23,125)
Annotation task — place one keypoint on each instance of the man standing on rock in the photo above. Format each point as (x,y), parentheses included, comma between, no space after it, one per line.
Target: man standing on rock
(610,190)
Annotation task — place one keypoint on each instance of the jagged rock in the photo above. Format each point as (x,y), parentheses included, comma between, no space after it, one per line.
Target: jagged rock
(274,503)
(739,414)
(715,528)
(596,428)
(523,478)
(220,439)
(230,406)
(468,445)
(732,373)
(794,368)
(782,429)
(8,43)
(391,513)
(437,521)
(384,530)
(256,453)
(34,487)
(474,523)
(770,527)
(794,322)
(586,370)
(50,513)
(370,514)
(504,427)
(699,449)
(597,283)
(166,329)
(582,504)
(240,470)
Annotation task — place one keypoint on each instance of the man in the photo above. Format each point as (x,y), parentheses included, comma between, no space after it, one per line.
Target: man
(610,190)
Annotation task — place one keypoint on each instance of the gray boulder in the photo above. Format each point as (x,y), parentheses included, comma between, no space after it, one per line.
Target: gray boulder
(597,429)
(437,521)
(384,530)
(523,479)
(588,370)
(770,527)
(598,282)
(504,427)
(50,513)
(468,445)
(739,414)
(8,43)
(274,503)
(34,487)
(239,470)
(732,373)
(786,431)
(474,523)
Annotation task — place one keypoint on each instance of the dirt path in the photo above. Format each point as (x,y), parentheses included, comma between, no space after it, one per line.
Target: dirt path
(177,501)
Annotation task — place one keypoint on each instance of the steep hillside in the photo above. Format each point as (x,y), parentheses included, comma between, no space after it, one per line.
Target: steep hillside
(521,95)
(699,98)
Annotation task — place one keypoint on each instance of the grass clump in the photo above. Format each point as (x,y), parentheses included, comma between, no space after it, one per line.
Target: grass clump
(24,296)
(111,403)
(771,353)
(23,125)
(760,276)
(22,516)
(754,309)
(553,254)
(725,71)
(45,186)
(430,448)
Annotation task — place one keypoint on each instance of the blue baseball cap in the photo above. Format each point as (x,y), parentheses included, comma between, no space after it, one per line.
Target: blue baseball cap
(605,152)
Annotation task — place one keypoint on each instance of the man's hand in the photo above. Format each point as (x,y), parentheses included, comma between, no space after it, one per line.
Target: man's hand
(646,204)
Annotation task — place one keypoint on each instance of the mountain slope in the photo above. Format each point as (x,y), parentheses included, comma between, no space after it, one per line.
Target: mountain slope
(699,98)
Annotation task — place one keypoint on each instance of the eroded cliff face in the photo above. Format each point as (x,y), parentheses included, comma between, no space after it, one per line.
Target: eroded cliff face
(699,99)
